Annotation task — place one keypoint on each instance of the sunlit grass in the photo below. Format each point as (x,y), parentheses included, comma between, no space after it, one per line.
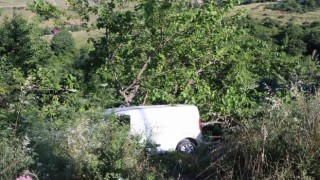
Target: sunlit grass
(81,37)
(13,2)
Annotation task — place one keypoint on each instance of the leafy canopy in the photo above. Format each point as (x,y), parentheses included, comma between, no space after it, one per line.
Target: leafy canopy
(156,52)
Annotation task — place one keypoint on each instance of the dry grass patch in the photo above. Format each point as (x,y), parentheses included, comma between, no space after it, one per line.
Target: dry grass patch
(8,13)
(60,3)
(13,2)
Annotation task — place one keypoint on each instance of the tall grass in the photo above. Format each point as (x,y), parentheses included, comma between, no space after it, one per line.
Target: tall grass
(284,143)
(103,149)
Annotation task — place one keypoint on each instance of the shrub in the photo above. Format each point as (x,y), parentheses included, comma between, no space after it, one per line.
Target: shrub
(296,47)
(100,149)
(46,31)
(15,156)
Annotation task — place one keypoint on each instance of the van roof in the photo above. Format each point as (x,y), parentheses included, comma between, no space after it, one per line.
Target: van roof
(111,110)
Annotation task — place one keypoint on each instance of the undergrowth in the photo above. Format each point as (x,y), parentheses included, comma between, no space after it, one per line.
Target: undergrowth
(282,144)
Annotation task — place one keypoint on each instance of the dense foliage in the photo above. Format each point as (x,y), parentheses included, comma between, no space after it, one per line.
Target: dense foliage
(260,78)
(63,43)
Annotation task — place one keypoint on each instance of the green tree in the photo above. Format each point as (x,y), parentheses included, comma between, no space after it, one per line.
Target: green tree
(21,45)
(157,52)
(63,43)
(171,52)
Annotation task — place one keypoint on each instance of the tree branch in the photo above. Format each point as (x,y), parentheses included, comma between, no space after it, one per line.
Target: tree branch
(198,72)
(130,92)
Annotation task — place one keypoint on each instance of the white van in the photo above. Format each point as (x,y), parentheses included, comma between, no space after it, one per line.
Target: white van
(169,127)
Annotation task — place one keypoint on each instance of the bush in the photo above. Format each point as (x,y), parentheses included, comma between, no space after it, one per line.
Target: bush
(63,43)
(15,156)
(296,47)
(46,31)
(103,149)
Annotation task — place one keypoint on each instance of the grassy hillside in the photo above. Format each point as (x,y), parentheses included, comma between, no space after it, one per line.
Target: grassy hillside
(11,6)
(7,7)
(258,11)
(13,2)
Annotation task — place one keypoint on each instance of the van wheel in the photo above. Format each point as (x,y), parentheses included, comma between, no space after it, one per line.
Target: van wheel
(186,146)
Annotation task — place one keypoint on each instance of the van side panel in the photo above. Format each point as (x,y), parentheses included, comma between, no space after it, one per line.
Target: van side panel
(164,125)
(171,125)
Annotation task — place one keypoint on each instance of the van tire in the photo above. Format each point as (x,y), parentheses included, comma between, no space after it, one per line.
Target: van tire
(186,147)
